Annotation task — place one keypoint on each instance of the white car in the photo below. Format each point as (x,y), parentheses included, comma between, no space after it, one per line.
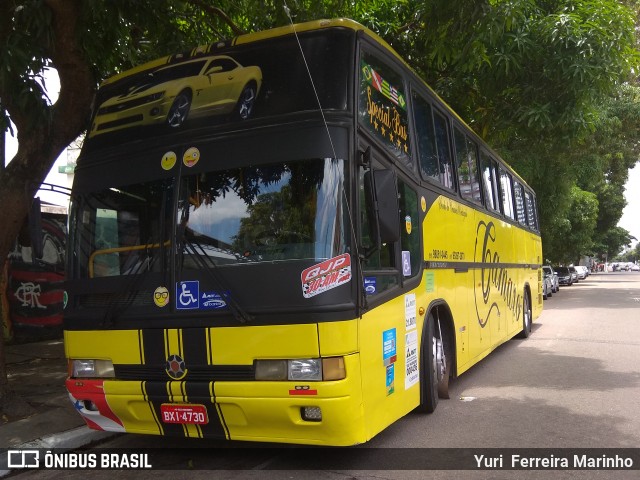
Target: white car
(583,272)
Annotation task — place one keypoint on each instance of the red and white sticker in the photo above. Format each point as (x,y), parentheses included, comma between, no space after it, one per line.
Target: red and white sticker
(326,275)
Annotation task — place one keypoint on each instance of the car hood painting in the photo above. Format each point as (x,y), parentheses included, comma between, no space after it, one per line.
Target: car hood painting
(171,95)
(221,86)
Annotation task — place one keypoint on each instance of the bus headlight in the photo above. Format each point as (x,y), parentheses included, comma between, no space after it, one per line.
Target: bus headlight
(309,369)
(305,369)
(91,368)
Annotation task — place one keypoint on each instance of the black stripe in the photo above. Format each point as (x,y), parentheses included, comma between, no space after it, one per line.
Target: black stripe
(466,266)
(157,395)
(154,348)
(154,342)
(198,392)
(195,348)
(194,341)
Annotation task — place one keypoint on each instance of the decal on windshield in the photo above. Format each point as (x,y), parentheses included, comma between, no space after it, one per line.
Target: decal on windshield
(326,275)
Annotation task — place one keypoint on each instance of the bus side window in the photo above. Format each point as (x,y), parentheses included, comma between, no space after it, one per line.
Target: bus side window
(467,166)
(426,139)
(531,210)
(490,181)
(507,194)
(444,152)
(519,196)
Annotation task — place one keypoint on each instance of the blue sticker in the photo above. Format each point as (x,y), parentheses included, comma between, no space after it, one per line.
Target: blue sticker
(391,374)
(406,263)
(389,346)
(187,295)
(370,285)
(212,301)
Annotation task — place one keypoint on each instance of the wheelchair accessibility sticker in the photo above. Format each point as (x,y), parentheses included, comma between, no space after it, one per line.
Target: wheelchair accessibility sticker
(187,295)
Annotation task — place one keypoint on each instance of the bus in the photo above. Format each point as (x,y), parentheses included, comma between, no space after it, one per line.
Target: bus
(287,237)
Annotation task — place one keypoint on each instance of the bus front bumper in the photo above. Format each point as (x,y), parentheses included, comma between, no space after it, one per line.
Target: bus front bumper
(314,413)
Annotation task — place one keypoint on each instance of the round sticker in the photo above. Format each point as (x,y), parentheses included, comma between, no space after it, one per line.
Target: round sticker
(168,160)
(423,204)
(407,224)
(161,297)
(191,157)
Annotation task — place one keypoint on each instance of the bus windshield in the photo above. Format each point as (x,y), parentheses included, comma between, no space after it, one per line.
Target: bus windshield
(282,211)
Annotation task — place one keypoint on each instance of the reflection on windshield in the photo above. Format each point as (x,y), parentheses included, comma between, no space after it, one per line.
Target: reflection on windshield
(122,231)
(273,212)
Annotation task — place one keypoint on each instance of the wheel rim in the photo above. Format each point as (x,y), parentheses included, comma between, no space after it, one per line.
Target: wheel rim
(438,359)
(246,103)
(527,314)
(178,112)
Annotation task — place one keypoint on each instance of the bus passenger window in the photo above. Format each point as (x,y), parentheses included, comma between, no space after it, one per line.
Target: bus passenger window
(519,195)
(426,139)
(444,153)
(531,210)
(507,194)
(467,165)
(490,181)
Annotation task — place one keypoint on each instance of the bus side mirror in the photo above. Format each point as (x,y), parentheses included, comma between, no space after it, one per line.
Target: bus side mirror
(383,209)
(35,230)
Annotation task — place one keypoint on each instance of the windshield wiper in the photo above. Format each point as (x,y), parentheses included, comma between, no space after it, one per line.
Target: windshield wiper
(204,262)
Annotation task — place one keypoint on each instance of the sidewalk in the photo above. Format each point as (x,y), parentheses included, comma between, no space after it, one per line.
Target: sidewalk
(36,373)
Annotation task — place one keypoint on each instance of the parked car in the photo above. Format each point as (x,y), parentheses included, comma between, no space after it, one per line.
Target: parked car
(555,283)
(635,268)
(582,272)
(546,287)
(564,276)
(574,274)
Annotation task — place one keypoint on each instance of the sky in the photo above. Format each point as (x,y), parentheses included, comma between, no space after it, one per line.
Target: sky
(631,216)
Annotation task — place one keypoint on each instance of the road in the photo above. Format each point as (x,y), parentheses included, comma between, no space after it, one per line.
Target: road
(575,383)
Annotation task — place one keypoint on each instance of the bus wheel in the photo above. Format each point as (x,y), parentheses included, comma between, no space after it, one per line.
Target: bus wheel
(179,110)
(526,317)
(434,367)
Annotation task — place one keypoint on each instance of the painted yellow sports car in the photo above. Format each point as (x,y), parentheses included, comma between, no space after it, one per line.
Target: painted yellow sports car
(202,87)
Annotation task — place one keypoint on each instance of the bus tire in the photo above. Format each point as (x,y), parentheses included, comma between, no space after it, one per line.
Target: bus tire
(526,316)
(431,368)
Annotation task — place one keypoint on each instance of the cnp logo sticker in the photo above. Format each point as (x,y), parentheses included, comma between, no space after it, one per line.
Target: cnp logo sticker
(326,275)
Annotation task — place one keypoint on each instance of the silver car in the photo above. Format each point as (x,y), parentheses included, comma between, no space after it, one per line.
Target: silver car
(548,271)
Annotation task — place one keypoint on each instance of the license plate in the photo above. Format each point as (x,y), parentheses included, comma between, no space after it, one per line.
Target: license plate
(183,413)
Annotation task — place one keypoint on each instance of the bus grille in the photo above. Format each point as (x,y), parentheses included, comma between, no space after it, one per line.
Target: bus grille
(198,373)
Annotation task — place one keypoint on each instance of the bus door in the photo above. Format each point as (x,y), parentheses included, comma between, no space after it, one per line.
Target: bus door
(391,272)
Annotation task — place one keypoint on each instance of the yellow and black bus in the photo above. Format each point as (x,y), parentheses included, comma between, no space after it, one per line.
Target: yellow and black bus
(287,237)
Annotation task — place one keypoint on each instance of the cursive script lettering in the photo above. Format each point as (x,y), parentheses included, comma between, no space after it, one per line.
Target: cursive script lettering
(493,275)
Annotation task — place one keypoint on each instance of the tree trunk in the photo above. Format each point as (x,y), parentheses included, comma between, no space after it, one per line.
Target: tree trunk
(39,144)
